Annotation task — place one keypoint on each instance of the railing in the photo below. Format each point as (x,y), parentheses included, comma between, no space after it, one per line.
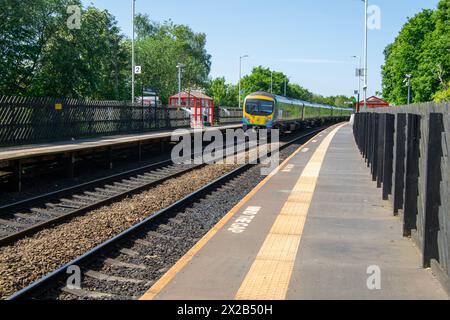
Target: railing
(407,149)
(34,120)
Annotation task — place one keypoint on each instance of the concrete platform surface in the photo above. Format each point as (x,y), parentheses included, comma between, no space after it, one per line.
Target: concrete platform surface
(315,229)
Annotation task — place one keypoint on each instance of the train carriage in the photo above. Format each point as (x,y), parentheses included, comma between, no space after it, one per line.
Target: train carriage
(269,111)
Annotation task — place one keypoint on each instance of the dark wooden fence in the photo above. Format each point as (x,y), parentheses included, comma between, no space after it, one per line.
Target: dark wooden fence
(36,120)
(407,149)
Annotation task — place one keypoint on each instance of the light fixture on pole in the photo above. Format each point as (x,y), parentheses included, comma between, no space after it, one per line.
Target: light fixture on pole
(366,7)
(359,74)
(271,81)
(240,76)
(408,83)
(132,52)
(180,67)
(285,86)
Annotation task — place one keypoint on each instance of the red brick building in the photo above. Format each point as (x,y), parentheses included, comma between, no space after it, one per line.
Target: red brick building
(373,102)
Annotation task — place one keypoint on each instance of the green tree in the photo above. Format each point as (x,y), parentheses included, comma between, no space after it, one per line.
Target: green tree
(161,47)
(92,62)
(443,95)
(26,27)
(224,94)
(421,49)
(41,56)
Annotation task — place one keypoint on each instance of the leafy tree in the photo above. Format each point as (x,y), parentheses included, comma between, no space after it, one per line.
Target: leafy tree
(26,27)
(92,62)
(41,56)
(260,80)
(443,95)
(224,95)
(422,49)
(161,47)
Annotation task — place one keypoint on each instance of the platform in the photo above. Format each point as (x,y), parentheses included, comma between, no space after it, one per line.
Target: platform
(315,229)
(21,152)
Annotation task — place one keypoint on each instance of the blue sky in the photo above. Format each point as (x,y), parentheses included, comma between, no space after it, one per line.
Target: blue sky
(309,40)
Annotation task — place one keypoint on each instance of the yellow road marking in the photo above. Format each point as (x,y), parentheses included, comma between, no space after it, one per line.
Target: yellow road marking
(270,274)
(168,277)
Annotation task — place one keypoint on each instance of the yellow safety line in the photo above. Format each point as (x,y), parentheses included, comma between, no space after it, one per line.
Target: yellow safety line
(270,274)
(168,277)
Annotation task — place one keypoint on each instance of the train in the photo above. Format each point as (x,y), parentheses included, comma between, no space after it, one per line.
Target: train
(264,110)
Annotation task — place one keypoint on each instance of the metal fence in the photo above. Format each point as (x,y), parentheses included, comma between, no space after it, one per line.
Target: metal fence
(407,149)
(35,120)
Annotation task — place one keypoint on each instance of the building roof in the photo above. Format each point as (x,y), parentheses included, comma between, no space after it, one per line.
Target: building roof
(374,101)
(195,94)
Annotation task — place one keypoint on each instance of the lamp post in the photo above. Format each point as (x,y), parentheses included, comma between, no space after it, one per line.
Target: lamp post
(133,65)
(240,76)
(366,7)
(408,83)
(358,74)
(285,86)
(271,81)
(180,66)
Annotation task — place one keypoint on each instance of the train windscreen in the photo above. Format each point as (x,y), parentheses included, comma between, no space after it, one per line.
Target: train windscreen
(259,107)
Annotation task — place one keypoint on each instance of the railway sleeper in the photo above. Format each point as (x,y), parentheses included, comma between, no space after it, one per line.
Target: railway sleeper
(154,176)
(15,224)
(126,265)
(127,185)
(164,236)
(130,253)
(86,294)
(80,204)
(87,200)
(47,211)
(66,205)
(30,217)
(97,196)
(111,190)
(142,181)
(104,277)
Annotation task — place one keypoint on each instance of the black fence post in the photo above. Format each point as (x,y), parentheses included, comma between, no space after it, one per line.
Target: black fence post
(432,186)
(411,174)
(380,148)
(374,157)
(388,155)
(366,136)
(399,165)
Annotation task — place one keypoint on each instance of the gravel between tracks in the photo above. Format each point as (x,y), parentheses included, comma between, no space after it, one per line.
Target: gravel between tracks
(34,257)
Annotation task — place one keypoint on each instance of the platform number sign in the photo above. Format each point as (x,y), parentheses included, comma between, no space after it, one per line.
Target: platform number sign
(137,69)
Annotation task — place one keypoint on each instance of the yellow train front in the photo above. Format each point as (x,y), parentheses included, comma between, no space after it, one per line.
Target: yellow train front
(263,110)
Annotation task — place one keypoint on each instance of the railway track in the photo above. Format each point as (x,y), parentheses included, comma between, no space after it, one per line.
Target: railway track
(27,217)
(24,218)
(148,242)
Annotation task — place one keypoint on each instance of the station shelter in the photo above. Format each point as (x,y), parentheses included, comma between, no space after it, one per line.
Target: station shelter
(373,102)
(199,104)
